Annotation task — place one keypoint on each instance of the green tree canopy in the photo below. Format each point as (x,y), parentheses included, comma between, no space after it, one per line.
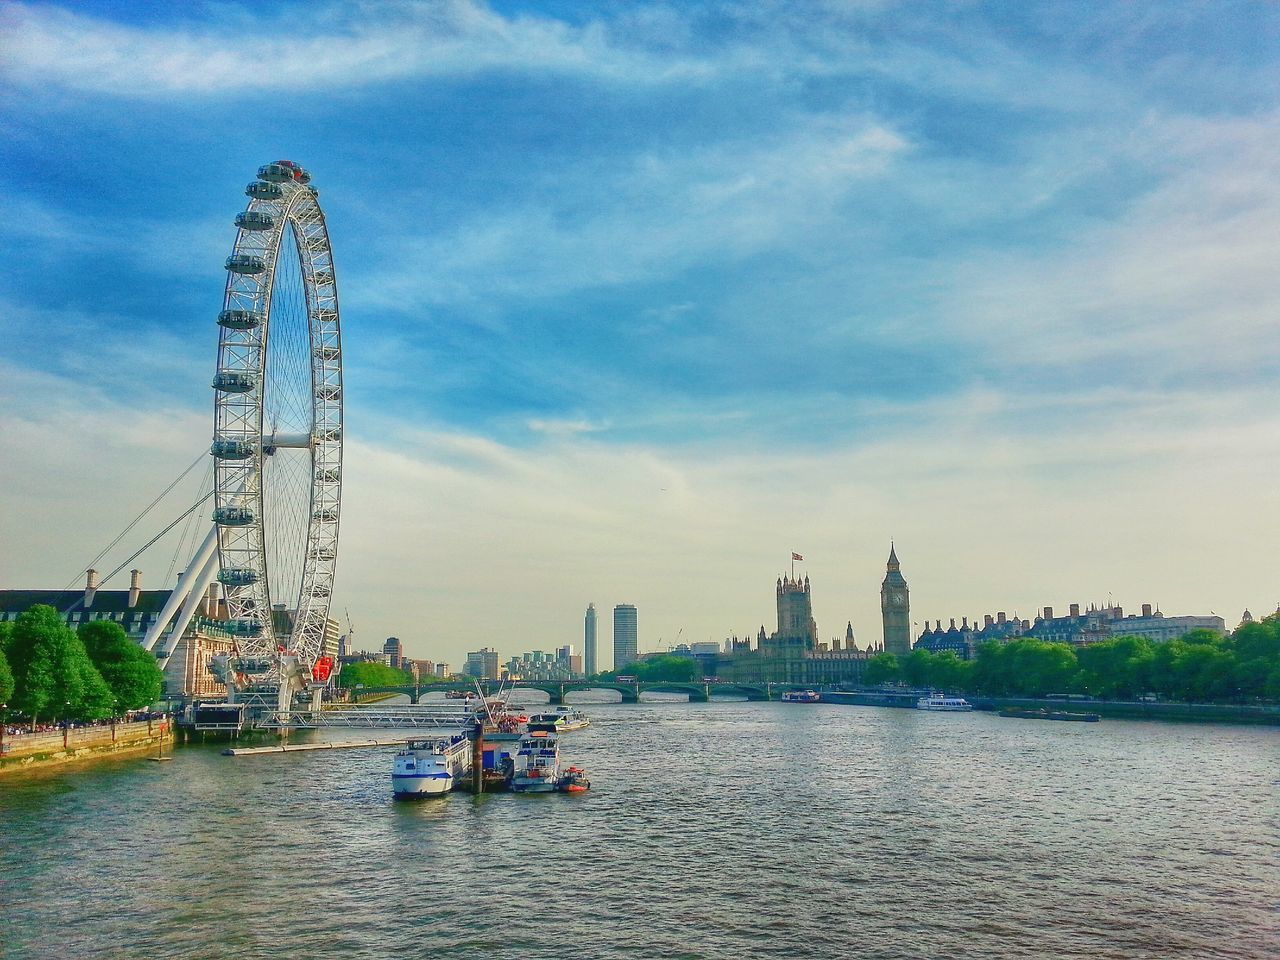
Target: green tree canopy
(6,678)
(1121,667)
(131,673)
(52,673)
(1026,666)
(370,673)
(669,668)
(882,668)
(914,667)
(948,672)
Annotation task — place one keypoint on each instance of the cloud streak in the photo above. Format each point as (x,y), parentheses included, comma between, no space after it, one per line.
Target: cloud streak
(382,43)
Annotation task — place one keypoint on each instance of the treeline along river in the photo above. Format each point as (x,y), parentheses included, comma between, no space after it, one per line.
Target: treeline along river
(713,830)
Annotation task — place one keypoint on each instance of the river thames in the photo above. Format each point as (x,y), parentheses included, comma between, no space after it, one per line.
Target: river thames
(721,830)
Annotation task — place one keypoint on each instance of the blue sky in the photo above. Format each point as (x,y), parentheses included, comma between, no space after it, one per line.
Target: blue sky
(639,298)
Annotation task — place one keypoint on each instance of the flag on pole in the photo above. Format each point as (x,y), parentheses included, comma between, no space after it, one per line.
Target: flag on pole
(796,556)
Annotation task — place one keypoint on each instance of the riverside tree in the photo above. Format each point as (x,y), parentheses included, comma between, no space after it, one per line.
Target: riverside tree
(671,669)
(6,677)
(131,673)
(52,673)
(882,668)
(371,674)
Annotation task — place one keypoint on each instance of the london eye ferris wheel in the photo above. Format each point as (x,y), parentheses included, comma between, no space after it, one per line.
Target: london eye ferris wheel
(277,439)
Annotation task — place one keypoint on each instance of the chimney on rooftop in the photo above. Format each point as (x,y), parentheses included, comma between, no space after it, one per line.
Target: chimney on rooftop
(1000,617)
(211,601)
(1048,613)
(1146,609)
(90,587)
(135,587)
(987,620)
(1075,609)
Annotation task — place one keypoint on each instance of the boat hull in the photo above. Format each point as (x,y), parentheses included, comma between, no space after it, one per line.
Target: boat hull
(412,785)
(540,785)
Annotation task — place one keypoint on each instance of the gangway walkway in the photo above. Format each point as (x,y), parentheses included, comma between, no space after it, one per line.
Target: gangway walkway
(374,717)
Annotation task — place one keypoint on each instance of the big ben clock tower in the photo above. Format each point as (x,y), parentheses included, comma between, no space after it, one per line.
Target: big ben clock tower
(895,608)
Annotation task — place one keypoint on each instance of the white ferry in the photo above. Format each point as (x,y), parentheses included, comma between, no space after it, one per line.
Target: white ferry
(801,696)
(536,765)
(936,701)
(562,720)
(426,768)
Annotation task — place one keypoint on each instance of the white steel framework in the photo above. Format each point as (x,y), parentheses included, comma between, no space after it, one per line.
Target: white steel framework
(279,358)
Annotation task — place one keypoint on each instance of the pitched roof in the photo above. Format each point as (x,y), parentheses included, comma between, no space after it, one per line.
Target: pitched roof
(65,601)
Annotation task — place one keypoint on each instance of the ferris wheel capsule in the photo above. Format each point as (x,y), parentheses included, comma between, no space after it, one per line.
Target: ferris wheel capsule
(262,190)
(255,220)
(239,319)
(246,264)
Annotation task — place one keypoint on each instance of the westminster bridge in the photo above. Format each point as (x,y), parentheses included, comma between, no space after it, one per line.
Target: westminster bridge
(698,691)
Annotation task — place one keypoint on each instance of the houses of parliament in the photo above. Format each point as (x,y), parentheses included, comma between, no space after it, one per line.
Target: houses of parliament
(793,653)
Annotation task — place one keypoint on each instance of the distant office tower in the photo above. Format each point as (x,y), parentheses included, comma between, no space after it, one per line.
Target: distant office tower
(625,636)
(589,640)
(482,664)
(393,652)
(895,608)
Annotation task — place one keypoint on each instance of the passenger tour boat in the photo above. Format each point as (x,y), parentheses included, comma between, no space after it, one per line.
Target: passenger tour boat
(801,696)
(536,765)
(561,720)
(428,768)
(936,701)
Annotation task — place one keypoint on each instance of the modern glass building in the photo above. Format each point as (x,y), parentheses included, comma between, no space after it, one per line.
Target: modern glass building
(625,634)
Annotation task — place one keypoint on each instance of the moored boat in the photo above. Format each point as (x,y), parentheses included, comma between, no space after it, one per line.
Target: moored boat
(536,765)
(1032,713)
(574,781)
(801,696)
(560,720)
(937,702)
(426,768)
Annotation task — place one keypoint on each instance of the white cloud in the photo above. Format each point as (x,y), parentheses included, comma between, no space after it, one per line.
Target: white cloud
(451,540)
(656,214)
(1179,283)
(385,42)
(563,428)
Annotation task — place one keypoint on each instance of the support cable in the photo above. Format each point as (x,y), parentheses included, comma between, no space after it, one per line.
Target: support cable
(137,553)
(138,519)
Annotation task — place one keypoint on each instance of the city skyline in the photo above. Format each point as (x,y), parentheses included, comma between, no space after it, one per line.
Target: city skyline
(637,301)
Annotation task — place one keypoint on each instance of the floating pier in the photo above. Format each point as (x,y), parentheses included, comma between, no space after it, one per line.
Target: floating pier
(300,747)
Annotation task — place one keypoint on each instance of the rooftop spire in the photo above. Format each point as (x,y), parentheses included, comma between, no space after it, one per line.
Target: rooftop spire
(893,556)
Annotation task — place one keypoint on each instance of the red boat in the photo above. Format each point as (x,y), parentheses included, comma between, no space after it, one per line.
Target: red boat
(574,781)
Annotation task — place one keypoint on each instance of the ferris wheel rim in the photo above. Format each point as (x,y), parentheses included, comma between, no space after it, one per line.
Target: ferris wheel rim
(281,205)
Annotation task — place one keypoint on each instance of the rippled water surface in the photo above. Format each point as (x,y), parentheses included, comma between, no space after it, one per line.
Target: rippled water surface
(713,830)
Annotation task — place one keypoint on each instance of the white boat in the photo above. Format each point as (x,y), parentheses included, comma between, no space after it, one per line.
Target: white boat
(561,720)
(801,696)
(536,765)
(426,768)
(936,701)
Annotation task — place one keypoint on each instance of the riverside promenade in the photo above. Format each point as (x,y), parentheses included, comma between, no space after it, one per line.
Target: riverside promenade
(28,750)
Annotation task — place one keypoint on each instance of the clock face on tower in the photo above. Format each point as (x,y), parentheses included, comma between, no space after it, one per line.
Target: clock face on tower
(896,599)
